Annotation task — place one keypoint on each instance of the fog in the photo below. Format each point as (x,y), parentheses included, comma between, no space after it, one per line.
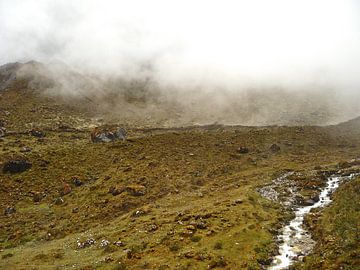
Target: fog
(251,62)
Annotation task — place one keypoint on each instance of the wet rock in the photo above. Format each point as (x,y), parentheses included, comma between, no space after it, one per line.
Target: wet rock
(108,135)
(275,148)
(315,198)
(16,164)
(308,202)
(243,150)
(9,210)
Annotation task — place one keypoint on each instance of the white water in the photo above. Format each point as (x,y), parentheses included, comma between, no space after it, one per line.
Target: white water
(296,241)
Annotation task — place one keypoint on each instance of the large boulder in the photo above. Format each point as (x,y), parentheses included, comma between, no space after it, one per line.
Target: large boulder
(16,164)
(108,134)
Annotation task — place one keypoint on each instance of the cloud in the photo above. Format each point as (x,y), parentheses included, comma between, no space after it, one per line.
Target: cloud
(186,45)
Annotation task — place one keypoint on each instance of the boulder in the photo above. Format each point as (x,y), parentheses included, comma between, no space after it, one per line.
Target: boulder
(16,164)
(108,134)
(275,148)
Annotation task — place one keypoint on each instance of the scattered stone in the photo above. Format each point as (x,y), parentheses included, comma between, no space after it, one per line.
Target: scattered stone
(243,150)
(189,254)
(37,197)
(104,243)
(136,190)
(191,227)
(116,190)
(275,148)
(37,133)
(75,210)
(25,149)
(16,164)
(218,262)
(66,189)
(9,210)
(87,243)
(58,201)
(201,225)
(2,132)
(152,228)
(238,201)
(119,244)
(77,182)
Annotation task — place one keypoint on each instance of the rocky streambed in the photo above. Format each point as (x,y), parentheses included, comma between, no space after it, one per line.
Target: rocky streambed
(294,240)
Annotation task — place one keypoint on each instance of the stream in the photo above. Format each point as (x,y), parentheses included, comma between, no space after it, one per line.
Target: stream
(295,241)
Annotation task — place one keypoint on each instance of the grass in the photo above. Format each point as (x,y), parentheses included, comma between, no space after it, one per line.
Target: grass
(190,175)
(337,232)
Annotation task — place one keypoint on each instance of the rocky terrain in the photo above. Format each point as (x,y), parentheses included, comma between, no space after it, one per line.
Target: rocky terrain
(167,196)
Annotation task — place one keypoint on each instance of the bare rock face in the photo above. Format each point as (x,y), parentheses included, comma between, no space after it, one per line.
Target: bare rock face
(16,164)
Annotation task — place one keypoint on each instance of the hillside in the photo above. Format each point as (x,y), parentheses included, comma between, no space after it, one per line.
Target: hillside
(181,197)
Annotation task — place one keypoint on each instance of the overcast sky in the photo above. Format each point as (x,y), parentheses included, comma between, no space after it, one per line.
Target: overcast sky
(291,43)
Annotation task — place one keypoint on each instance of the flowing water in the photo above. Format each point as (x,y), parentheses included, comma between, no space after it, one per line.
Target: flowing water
(295,240)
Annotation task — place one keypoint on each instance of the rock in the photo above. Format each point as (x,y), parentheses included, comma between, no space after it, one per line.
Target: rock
(75,210)
(9,210)
(104,243)
(77,182)
(37,197)
(201,225)
(108,135)
(66,189)
(152,228)
(25,149)
(189,254)
(37,133)
(87,243)
(243,150)
(136,190)
(218,262)
(119,244)
(238,201)
(275,148)
(315,198)
(116,190)
(58,201)
(191,228)
(16,164)
(2,132)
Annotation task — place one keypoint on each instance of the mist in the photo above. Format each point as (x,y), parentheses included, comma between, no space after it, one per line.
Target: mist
(246,62)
